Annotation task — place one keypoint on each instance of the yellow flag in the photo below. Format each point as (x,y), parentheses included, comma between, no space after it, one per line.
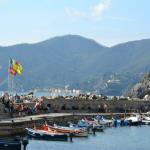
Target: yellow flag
(18,68)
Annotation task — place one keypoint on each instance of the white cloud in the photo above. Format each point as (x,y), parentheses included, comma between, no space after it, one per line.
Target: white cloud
(94,12)
(100,8)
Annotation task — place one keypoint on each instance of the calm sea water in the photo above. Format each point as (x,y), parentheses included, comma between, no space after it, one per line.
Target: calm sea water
(123,138)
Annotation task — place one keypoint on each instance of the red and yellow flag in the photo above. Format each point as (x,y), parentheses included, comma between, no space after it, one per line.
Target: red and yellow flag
(15,67)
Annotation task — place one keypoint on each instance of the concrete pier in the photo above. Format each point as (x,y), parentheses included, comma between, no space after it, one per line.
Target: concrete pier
(16,126)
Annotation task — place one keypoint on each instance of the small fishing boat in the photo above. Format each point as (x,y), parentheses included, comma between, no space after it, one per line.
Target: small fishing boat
(84,124)
(96,124)
(145,120)
(103,121)
(46,135)
(77,132)
(134,120)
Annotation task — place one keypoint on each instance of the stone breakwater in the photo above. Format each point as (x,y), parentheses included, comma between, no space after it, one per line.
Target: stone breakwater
(62,105)
(98,105)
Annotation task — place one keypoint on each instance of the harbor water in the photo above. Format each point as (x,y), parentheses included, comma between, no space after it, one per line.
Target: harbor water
(120,138)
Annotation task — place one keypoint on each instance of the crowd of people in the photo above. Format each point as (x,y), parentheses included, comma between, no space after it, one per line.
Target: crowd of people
(15,106)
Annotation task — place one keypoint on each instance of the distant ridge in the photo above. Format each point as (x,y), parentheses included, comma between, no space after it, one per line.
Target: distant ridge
(72,59)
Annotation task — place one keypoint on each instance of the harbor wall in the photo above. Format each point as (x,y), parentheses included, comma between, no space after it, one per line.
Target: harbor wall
(86,105)
(82,105)
(17,126)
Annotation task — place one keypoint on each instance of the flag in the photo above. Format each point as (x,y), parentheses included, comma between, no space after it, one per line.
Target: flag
(18,68)
(15,67)
(12,71)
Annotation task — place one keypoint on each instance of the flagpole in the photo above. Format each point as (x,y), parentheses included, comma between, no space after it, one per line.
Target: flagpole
(9,82)
(9,78)
(12,84)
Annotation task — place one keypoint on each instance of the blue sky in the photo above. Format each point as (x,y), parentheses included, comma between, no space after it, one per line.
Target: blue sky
(109,22)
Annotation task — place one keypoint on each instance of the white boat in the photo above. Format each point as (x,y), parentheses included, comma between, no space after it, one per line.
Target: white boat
(134,120)
(103,121)
(146,120)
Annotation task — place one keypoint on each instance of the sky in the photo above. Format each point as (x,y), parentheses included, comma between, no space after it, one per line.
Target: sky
(109,22)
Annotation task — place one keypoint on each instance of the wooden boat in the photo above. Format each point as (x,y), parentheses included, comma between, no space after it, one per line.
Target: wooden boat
(77,132)
(64,129)
(46,135)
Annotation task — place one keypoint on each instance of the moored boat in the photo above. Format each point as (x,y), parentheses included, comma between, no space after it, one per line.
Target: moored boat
(145,120)
(134,120)
(77,132)
(103,121)
(46,135)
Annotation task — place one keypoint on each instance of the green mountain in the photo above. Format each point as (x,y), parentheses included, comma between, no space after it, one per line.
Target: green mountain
(72,60)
